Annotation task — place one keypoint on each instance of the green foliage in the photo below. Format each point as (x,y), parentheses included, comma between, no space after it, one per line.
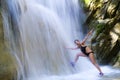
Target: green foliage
(85,2)
(99,28)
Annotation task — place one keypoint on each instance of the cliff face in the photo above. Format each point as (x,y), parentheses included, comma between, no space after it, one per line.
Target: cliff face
(104,17)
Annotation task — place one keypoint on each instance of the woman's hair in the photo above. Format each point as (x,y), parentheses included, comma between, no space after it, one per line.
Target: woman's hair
(76,40)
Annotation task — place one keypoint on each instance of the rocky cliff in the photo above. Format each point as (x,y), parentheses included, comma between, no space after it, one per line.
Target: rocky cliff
(104,17)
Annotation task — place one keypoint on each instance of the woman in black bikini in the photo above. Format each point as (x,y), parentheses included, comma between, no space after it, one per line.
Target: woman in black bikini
(86,52)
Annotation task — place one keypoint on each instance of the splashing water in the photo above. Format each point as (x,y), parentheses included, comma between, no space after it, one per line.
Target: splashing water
(38,32)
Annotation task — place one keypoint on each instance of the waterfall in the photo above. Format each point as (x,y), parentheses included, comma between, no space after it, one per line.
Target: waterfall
(38,32)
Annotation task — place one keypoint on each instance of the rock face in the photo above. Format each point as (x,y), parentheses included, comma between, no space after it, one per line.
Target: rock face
(7,63)
(104,17)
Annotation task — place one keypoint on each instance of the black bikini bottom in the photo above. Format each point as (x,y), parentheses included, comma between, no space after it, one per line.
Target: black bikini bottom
(87,54)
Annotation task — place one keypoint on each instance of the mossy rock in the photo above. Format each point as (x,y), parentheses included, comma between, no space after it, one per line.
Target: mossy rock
(7,66)
(7,61)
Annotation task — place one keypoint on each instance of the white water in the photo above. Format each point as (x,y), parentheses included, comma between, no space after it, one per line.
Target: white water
(42,30)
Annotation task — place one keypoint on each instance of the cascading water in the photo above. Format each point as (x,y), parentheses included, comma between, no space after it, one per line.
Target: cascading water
(38,32)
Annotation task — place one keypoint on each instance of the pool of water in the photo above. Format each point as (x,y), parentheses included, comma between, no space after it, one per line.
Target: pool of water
(109,74)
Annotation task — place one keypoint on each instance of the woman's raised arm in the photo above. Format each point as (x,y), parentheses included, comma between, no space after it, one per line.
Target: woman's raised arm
(86,37)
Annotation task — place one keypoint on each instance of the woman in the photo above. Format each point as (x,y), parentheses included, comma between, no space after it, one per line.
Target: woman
(86,52)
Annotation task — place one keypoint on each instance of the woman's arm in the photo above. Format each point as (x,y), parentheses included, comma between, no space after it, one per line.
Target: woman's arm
(73,48)
(86,37)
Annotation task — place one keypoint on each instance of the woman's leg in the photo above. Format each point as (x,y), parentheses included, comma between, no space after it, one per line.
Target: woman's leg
(92,59)
(78,55)
(76,58)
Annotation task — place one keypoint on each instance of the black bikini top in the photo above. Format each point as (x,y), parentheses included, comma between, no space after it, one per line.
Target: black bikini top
(83,49)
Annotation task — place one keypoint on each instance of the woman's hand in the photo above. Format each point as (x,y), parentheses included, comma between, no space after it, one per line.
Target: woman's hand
(90,32)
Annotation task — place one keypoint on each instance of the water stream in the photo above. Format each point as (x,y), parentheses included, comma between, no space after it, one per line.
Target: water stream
(38,32)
